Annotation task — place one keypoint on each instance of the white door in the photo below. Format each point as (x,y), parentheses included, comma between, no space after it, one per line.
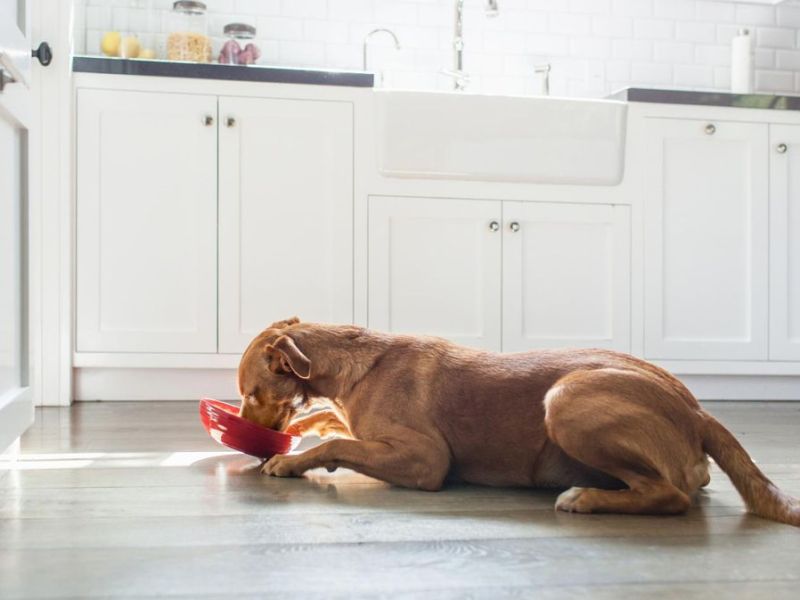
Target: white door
(285,214)
(566,276)
(434,268)
(784,242)
(146,222)
(705,194)
(16,405)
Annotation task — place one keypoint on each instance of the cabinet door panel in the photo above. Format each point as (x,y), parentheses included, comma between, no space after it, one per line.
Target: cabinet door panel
(706,256)
(434,268)
(785,243)
(146,222)
(566,276)
(286,214)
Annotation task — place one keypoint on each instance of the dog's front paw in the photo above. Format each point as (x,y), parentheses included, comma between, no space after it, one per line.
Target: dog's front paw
(283,466)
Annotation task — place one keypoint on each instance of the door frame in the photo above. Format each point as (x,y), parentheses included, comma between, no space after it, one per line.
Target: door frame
(51,210)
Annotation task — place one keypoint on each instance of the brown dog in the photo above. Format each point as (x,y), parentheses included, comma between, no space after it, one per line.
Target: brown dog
(623,435)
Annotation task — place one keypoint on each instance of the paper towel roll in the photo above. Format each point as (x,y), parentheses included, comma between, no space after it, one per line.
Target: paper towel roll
(742,63)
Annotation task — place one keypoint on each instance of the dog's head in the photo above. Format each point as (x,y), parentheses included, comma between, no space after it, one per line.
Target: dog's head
(272,377)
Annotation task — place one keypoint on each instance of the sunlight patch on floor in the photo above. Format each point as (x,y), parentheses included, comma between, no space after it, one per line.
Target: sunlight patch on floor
(80,460)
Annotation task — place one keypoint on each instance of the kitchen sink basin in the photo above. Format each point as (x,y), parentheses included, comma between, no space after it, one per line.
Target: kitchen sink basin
(450,135)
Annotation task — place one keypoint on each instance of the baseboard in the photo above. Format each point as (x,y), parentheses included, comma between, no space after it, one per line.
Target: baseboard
(743,387)
(92,384)
(115,384)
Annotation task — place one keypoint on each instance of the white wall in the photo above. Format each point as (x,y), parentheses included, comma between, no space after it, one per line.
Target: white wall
(595,46)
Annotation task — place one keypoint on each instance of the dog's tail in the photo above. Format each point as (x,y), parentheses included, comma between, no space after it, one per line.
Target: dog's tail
(762,497)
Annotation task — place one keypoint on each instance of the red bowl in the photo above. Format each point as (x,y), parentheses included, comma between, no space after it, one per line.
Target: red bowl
(222,423)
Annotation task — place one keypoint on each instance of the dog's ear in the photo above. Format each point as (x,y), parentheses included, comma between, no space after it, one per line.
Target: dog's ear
(283,324)
(284,357)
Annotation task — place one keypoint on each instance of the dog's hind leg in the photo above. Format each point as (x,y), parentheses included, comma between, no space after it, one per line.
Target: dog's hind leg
(633,427)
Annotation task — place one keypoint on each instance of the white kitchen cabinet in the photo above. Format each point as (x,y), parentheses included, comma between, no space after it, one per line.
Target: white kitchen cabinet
(285,214)
(566,276)
(784,242)
(434,268)
(146,222)
(705,196)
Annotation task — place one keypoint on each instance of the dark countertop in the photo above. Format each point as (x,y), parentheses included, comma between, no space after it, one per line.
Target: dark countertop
(763,101)
(271,74)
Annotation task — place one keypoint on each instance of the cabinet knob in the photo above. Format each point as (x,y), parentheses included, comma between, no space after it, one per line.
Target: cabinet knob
(711,129)
(494,226)
(230,121)
(208,120)
(514,226)
(782,148)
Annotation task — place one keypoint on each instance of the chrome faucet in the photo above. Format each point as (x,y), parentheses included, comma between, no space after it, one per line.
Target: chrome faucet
(460,77)
(369,35)
(544,71)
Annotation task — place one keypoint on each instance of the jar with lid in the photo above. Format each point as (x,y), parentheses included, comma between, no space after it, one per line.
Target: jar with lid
(238,49)
(188,32)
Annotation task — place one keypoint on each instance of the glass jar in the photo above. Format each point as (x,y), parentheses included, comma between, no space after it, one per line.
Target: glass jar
(188,32)
(238,49)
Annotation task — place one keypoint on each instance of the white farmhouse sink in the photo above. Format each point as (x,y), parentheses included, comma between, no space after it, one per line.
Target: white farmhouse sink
(448,135)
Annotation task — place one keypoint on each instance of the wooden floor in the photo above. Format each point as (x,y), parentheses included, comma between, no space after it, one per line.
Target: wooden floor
(126,499)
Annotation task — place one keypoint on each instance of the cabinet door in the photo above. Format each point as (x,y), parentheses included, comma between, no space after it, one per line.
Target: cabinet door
(566,276)
(286,214)
(706,252)
(785,243)
(146,222)
(434,268)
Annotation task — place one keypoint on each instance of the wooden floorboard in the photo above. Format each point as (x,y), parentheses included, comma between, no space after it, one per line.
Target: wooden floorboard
(134,500)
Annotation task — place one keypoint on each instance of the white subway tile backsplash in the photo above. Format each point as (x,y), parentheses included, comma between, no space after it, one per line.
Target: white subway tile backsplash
(280,28)
(773,37)
(632,49)
(654,29)
(764,58)
(547,45)
(258,7)
(752,14)
(715,12)
(694,76)
(391,12)
(776,81)
(633,8)
(674,9)
(703,33)
(789,16)
(618,70)
(598,7)
(594,46)
(722,78)
(788,60)
(305,8)
(712,55)
(673,52)
(571,24)
(611,26)
(652,73)
(325,31)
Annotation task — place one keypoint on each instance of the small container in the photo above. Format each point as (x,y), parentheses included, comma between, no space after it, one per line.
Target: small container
(238,49)
(188,32)
(742,63)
